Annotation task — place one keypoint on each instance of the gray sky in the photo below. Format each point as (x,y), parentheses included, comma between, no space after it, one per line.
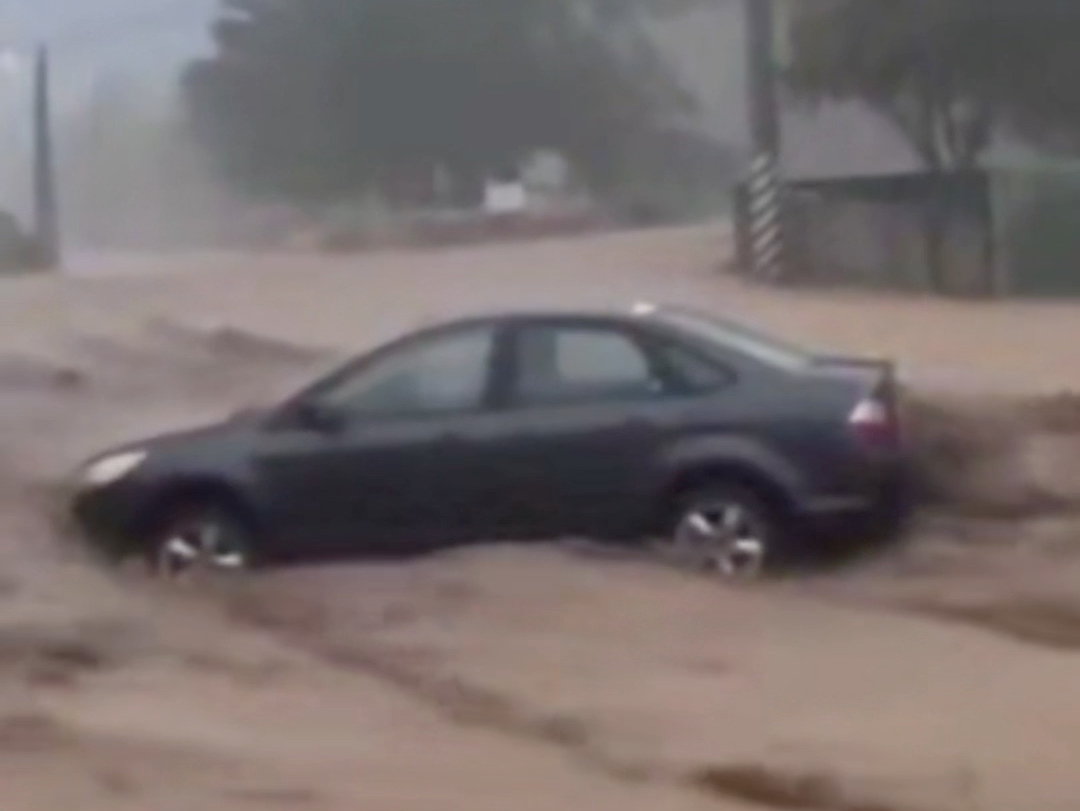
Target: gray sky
(144,39)
(96,26)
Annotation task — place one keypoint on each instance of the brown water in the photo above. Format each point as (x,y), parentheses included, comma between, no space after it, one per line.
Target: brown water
(538,678)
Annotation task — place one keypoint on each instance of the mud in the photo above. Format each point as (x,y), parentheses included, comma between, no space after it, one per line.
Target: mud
(996,457)
(548,676)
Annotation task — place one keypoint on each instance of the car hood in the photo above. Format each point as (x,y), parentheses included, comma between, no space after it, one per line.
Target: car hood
(236,427)
(239,421)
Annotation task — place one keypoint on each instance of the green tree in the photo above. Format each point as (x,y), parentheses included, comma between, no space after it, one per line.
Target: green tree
(946,71)
(912,61)
(320,98)
(1022,62)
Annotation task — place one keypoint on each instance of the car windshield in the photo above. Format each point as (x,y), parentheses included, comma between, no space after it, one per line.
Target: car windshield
(739,337)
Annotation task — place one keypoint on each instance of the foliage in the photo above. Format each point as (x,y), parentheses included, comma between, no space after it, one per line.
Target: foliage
(323,98)
(946,72)
(900,58)
(1024,63)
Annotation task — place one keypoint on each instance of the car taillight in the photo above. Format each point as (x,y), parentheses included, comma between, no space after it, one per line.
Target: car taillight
(874,422)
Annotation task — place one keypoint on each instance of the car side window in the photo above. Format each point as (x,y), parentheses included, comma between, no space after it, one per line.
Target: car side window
(444,374)
(571,364)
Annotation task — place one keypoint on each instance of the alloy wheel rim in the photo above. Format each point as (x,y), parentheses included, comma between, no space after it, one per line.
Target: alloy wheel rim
(724,538)
(198,547)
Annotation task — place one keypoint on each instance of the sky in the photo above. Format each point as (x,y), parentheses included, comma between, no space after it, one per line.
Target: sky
(95,27)
(91,40)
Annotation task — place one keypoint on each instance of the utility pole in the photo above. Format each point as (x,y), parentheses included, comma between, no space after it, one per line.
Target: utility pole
(764,199)
(46,216)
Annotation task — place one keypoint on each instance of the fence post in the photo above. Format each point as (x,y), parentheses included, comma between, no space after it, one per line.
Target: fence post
(765,220)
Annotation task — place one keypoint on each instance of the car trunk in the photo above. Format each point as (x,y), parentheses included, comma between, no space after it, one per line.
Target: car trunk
(875,409)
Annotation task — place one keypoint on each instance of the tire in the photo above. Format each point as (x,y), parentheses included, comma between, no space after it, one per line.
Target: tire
(197,538)
(730,531)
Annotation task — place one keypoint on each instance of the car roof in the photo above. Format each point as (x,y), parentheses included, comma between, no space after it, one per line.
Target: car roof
(734,336)
(636,311)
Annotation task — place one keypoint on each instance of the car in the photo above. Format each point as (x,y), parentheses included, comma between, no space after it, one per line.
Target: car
(659,425)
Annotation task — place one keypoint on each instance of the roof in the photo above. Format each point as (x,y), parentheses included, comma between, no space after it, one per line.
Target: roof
(832,139)
(842,139)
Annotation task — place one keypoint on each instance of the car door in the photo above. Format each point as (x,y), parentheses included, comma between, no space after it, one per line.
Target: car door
(589,410)
(399,471)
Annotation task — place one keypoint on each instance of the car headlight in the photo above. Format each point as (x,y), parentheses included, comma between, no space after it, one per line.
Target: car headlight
(113,467)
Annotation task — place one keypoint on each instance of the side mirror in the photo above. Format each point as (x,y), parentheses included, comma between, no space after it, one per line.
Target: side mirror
(320,417)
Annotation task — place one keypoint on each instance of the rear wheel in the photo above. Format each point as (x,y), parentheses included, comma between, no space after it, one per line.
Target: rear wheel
(728,530)
(197,538)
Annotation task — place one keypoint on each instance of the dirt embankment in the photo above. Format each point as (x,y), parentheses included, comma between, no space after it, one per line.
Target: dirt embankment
(550,678)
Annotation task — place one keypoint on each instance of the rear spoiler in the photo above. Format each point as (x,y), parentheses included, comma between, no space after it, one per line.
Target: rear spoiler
(888,377)
(886,367)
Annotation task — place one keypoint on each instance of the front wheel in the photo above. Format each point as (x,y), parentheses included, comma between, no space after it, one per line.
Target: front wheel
(195,539)
(725,530)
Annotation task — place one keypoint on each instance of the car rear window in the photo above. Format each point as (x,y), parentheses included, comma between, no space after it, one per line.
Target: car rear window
(739,337)
(694,371)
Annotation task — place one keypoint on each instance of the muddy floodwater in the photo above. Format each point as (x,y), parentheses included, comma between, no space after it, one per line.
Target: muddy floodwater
(543,677)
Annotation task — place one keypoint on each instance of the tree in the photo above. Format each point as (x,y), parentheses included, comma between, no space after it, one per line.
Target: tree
(1022,61)
(946,71)
(903,60)
(916,63)
(322,98)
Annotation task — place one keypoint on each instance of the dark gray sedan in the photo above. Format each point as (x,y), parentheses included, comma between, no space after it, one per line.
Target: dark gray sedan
(731,448)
